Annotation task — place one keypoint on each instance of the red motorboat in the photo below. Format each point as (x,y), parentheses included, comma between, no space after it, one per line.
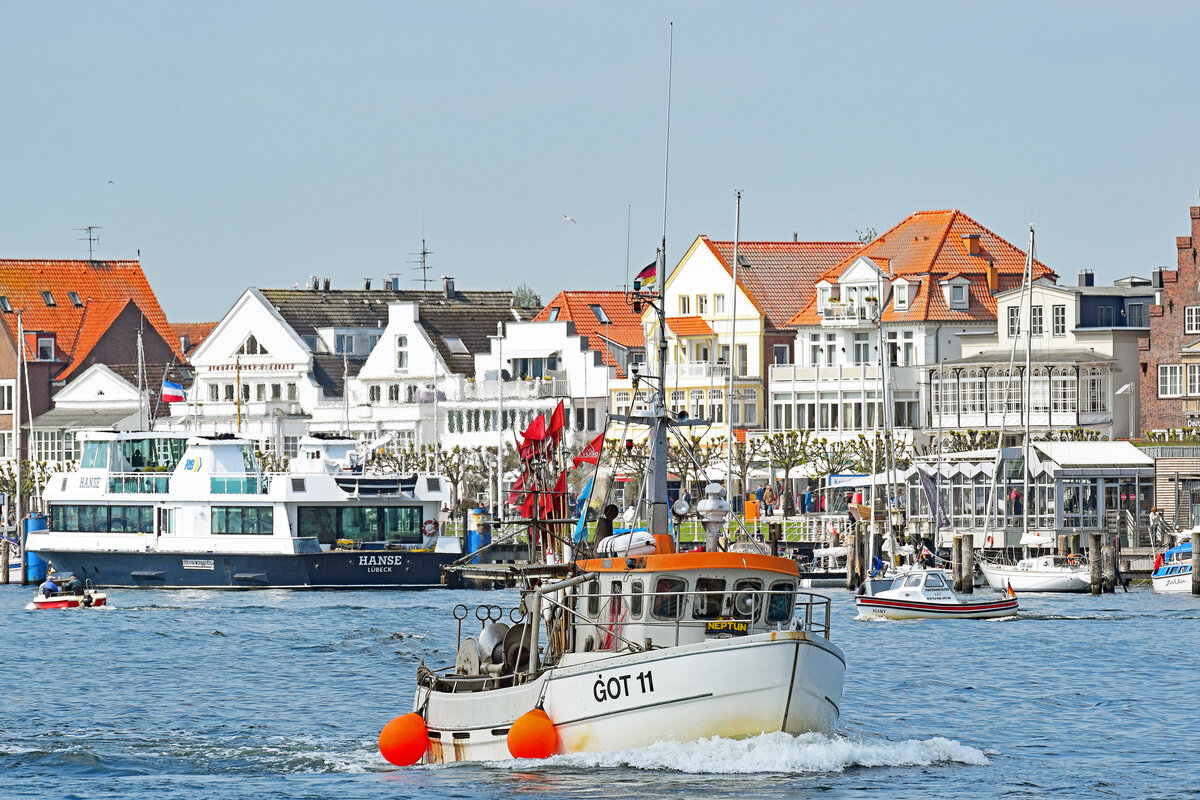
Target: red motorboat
(84,599)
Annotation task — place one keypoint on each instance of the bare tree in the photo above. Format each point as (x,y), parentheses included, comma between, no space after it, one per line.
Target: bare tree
(789,450)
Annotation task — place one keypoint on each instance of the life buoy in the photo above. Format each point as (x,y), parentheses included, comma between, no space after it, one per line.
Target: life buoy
(430,527)
(989,540)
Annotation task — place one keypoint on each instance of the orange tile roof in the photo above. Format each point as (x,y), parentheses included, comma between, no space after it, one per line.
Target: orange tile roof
(196,332)
(98,316)
(99,285)
(928,245)
(689,326)
(780,277)
(624,327)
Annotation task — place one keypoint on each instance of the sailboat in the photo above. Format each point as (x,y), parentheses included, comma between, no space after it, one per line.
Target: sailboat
(1047,573)
(640,642)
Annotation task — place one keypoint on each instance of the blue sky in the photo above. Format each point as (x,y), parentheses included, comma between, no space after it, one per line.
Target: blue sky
(260,143)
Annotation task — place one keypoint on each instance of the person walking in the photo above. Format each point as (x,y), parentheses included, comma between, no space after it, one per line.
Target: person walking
(769,500)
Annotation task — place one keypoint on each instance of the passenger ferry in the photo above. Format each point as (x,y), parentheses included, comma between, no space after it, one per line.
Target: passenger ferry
(160,510)
(1174,574)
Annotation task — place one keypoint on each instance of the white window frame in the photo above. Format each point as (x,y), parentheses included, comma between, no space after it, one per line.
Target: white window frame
(701,304)
(1191,320)
(7,389)
(685,305)
(956,302)
(1014,321)
(1170,380)
(402,352)
(718,304)
(900,296)
(1193,380)
(1037,318)
(1058,320)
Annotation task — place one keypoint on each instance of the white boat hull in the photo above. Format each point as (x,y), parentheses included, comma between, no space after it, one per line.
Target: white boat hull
(1180,582)
(895,608)
(1066,579)
(742,686)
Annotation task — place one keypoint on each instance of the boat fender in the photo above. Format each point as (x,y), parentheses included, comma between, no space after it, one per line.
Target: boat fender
(404,740)
(532,736)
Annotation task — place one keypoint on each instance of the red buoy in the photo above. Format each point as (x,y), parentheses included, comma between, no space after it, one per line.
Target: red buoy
(404,740)
(532,736)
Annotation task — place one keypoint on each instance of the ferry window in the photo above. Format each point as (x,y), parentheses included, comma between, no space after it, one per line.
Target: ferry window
(319,522)
(710,598)
(593,600)
(402,524)
(93,519)
(779,606)
(166,520)
(360,524)
(635,600)
(95,455)
(667,595)
(912,581)
(934,581)
(131,519)
(250,520)
(747,600)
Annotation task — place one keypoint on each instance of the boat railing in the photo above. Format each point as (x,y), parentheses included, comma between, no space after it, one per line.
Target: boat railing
(139,482)
(248,483)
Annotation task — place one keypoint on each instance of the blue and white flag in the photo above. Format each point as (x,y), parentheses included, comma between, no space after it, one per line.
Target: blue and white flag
(172,392)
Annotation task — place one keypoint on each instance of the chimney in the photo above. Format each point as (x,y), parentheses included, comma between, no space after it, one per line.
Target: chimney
(448,287)
(795,236)
(327,284)
(1086,278)
(1156,278)
(367,284)
(185,343)
(993,277)
(316,282)
(971,244)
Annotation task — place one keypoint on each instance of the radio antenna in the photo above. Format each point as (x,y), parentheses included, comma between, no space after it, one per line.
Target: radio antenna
(91,236)
(423,265)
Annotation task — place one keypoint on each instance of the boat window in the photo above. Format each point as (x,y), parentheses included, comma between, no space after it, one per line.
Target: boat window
(667,598)
(593,604)
(912,581)
(934,581)
(779,605)
(710,598)
(747,600)
(131,519)
(251,520)
(95,455)
(635,600)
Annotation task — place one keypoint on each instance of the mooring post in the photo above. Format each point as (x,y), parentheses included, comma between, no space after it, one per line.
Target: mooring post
(968,564)
(851,540)
(1195,564)
(956,561)
(775,533)
(1064,543)
(1109,569)
(1094,562)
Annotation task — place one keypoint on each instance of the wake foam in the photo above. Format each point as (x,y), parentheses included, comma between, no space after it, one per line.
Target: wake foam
(771,753)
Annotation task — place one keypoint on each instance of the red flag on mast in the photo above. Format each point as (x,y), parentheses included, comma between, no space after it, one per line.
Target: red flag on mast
(591,453)
(557,422)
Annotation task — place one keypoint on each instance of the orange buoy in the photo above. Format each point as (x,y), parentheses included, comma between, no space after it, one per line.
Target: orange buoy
(404,740)
(532,736)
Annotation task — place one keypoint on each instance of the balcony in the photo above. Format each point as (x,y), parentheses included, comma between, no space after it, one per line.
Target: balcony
(249,483)
(901,378)
(696,370)
(139,483)
(533,389)
(838,314)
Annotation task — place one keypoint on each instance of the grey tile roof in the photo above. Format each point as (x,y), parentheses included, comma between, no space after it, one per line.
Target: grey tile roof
(469,315)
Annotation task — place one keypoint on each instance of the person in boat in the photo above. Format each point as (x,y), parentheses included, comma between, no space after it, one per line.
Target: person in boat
(137,461)
(49,588)
(73,586)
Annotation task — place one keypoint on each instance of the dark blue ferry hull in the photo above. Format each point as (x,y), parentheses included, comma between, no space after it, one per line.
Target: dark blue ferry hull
(339,569)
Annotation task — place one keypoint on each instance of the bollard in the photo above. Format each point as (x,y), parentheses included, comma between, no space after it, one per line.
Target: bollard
(775,533)
(957,563)
(1094,562)
(851,541)
(1064,544)
(1108,567)
(1195,564)
(968,564)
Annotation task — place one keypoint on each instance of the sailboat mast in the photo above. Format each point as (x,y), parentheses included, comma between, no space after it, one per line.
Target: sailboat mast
(1028,393)
(733,293)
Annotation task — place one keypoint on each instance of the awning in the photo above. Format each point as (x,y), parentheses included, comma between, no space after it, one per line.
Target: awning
(689,326)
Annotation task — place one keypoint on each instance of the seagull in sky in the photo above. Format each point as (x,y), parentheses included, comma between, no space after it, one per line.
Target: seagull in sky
(568,219)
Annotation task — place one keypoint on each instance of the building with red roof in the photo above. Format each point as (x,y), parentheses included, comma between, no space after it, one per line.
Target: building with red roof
(72,314)
(605,318)
(923,284)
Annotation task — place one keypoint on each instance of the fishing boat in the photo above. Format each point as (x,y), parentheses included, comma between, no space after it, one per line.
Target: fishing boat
(927,594)
(1174,573)
(1069,573)
(160,510)
(637,642)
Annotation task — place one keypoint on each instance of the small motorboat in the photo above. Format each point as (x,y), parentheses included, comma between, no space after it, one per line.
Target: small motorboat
(927,595)
(1070,573)
(73,594)
(1174,572)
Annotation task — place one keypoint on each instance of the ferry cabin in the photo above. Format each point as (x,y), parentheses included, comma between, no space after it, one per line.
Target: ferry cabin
(151,491)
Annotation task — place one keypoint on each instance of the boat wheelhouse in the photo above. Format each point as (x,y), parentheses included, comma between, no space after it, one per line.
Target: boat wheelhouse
(156,509)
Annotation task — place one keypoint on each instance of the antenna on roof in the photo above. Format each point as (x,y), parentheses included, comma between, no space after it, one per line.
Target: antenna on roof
(424,264)
(92,237)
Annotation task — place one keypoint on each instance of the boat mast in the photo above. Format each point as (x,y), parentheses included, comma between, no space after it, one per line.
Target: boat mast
(733,293)
(19,533)
(1028,394)
(887,412)
(657,463)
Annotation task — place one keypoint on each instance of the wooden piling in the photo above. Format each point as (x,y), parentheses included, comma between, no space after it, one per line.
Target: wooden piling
(1064,544)
(4,560)
(968,564)
(1195,564)
(775,534)
(956,562)
(1108,566)
(851,541)
(1094,562)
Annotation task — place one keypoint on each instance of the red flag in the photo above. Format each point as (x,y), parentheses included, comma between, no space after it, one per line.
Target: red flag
(591,453)
(517,488)
(557,422)
(528,507)
(536,431)
(554,501)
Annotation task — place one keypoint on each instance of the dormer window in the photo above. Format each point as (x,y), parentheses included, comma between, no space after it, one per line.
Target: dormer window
(45,348)
(75,299)
(957,292)
(49,299)
(900,296)
(958,295)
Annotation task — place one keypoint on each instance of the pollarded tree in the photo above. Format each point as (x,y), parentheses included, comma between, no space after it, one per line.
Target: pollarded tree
(789,450)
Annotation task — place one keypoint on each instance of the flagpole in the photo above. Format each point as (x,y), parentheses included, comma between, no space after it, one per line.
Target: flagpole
(737,231)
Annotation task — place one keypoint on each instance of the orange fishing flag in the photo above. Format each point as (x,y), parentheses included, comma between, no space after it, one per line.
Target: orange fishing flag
(557,422)
(591,453)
